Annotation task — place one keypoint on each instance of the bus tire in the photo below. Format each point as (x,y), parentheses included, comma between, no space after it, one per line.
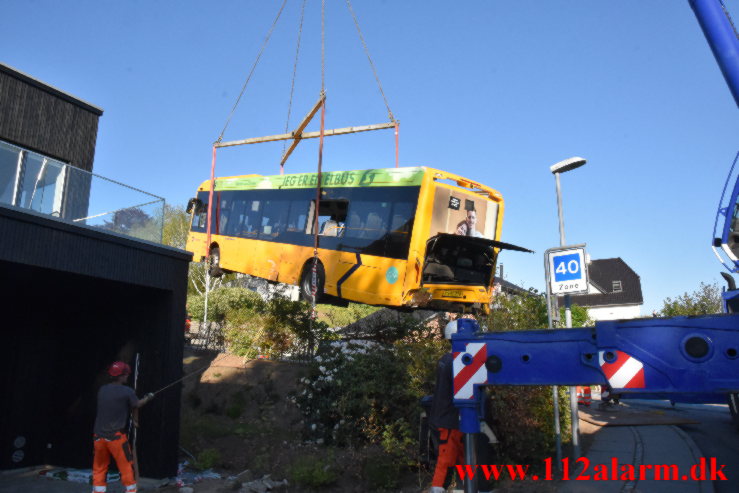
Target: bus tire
(214,262)
(306,281)
(733,399)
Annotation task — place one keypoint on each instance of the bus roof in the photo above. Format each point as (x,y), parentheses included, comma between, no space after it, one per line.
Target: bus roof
(385,177)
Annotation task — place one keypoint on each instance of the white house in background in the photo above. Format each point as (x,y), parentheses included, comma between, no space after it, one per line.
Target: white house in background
(614,291)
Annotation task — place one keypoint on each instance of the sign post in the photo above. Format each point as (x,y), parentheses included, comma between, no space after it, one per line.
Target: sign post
(566,273)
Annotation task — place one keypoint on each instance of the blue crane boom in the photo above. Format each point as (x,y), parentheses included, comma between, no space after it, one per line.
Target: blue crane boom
(721,35)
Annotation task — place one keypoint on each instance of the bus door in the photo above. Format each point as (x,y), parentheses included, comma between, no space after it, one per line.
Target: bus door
(374,248)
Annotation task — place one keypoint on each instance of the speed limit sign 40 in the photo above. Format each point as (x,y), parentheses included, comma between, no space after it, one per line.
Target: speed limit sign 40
(567,270)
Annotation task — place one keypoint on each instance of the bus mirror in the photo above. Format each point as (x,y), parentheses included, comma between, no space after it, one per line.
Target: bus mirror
(197,204)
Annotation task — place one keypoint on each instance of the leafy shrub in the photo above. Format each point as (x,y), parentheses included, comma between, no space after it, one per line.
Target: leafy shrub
(275,328)
(253,326)
(234,304)
(339,316)
(368,392)
(313,471)
(359,392)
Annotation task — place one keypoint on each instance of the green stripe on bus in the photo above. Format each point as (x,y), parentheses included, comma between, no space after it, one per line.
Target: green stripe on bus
(391,177)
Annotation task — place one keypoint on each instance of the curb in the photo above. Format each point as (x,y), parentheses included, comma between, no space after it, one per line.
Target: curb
(706,485)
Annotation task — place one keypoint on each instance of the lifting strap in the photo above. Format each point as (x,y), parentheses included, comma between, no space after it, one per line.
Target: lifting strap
(317,208)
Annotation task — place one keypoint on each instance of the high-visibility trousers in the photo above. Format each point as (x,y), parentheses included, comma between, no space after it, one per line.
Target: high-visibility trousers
(451,453)
(583,395)
(120,450)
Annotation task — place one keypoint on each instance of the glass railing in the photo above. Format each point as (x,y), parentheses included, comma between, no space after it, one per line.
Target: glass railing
(32,181)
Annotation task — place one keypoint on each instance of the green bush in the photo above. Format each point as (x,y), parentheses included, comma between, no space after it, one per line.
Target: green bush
(353,390)
(253,326)
(232,304)
(313,471)
(273,329)
(339,316)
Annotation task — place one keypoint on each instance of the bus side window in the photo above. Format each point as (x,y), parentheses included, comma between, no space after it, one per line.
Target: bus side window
(225,214)
(400,229)
(252,220)
(274,218)
(236,215)
(296,219)
(368,220)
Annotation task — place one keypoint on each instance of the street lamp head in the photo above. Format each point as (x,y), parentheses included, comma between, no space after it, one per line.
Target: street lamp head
(567,165)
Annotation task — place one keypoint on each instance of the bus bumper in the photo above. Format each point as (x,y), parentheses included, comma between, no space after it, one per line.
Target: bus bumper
(464,299)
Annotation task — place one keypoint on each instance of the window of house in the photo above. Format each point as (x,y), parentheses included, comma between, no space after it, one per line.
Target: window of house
(8,171)
(617,288)
(30,180)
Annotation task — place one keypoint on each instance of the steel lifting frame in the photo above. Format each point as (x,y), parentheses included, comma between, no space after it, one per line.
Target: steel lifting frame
(685,356)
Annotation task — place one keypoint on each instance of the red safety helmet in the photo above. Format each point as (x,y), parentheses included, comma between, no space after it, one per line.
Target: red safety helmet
(119,368)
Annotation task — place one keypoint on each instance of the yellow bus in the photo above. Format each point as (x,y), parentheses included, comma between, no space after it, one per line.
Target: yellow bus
(402,237)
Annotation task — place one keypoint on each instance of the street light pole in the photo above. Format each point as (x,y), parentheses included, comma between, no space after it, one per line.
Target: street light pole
(562,242)
(557,169)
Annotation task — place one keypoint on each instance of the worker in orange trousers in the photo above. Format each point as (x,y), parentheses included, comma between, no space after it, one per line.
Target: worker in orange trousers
(115,401)
(444,418)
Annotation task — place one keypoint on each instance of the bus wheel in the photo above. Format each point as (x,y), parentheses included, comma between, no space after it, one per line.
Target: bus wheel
(214,262)
(306,281)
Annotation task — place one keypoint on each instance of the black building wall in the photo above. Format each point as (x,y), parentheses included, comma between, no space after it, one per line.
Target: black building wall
(75,299)
(41,118)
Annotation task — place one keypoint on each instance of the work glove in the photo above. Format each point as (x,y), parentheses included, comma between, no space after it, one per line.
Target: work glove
(149,396)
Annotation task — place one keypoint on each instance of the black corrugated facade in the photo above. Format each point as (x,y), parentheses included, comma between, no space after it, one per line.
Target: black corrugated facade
(46,120)
(75,300)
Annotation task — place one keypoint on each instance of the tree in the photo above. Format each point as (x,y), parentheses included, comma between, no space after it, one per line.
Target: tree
(705,300)
(174,233)
(529,312)
(176,226)
(198,278)
(128,220)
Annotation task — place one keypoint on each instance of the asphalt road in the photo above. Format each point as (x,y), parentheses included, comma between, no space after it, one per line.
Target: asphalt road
(715,435)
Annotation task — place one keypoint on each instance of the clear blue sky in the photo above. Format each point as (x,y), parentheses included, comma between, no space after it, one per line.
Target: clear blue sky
(493,90)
